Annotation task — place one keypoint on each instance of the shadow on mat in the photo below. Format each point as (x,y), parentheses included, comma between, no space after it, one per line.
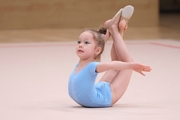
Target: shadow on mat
(134,106)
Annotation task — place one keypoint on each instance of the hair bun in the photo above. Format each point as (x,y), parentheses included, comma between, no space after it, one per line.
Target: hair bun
(102,30)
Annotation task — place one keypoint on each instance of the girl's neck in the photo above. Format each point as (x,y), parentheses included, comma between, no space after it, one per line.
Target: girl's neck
(82,64)
(85,62)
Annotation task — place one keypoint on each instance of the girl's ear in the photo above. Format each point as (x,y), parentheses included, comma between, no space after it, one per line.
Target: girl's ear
(98,50)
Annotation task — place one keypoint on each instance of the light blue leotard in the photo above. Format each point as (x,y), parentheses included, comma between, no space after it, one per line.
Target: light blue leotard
(83,90)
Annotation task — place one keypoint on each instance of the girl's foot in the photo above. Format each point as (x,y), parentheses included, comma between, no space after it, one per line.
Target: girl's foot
(126,15)
(114,29)
(122,26)
(111,21)
(120,21)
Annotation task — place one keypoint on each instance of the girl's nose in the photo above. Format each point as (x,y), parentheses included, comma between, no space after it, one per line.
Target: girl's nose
(80,45)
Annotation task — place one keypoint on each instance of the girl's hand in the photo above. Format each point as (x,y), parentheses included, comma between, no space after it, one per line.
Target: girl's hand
(141,68)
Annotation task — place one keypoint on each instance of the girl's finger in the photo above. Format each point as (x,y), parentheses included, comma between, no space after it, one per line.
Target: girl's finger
(142,73)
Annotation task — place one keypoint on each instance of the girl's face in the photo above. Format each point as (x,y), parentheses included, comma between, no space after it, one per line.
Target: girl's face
(86,46)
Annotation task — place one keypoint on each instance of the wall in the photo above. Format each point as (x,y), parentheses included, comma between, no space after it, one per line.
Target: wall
(32,14)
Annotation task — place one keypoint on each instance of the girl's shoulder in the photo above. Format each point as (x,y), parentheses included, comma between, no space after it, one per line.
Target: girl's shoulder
(93,63)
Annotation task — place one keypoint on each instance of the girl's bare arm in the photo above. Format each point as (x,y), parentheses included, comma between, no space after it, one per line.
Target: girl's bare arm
(118,65)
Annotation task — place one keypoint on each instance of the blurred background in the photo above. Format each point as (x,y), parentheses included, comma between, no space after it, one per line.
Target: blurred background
(63,20)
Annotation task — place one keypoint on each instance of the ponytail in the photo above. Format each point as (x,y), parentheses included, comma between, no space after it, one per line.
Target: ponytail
(102,30)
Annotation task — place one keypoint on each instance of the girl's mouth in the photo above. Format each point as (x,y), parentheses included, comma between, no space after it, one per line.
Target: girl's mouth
(80,51)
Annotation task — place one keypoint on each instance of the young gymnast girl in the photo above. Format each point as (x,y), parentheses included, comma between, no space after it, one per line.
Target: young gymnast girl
(105,93)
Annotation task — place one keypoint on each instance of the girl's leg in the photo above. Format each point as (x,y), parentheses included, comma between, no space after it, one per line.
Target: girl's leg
(109,75)
(119,79)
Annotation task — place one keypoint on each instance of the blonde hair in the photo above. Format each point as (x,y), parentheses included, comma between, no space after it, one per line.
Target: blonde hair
(99,39)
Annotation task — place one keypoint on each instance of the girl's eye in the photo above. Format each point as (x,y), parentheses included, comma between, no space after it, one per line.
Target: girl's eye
(78,41)
(86,42)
